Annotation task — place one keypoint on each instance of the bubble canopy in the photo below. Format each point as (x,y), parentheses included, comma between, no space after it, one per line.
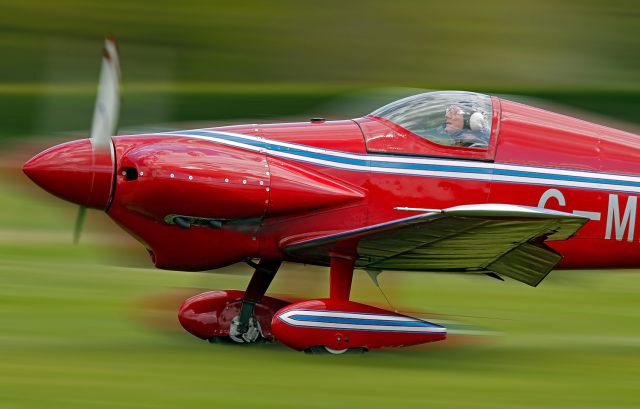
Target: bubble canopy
(448,118)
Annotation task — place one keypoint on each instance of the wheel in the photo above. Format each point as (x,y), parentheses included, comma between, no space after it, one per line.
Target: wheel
(230,341)
(221,340)
(324,350)
(357,351)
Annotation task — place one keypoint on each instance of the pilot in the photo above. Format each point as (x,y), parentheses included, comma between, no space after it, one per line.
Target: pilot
(465,130)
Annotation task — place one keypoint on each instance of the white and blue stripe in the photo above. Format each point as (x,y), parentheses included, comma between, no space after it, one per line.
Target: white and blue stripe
(339,320)
(408,165)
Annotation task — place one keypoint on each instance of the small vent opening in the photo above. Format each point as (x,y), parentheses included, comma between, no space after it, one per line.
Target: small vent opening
(130,173)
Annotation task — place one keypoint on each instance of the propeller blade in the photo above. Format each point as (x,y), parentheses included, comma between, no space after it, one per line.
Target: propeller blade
(105,118)
(107,108)
(77,229)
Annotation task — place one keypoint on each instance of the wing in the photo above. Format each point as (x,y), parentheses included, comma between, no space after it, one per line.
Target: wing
(482,238)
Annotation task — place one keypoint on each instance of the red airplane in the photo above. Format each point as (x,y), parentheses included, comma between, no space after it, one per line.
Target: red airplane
(443,181)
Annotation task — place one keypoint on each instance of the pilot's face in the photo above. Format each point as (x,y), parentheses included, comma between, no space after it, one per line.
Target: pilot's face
(454,122)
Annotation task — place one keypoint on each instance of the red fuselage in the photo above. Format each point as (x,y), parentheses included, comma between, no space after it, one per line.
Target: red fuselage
(271,184)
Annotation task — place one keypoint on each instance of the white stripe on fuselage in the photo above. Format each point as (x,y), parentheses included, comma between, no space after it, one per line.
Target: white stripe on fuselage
(473,170)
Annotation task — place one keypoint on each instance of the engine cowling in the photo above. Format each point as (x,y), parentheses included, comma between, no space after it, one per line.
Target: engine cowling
(198,204)
(340,325)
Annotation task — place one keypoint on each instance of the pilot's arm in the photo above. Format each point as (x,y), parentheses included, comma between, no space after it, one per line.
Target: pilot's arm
(473,140)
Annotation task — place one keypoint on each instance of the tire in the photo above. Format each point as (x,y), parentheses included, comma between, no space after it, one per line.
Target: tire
(222,341)
(324,350)
(229,341)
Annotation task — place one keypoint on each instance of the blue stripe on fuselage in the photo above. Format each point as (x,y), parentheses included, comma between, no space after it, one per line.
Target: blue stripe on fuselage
(381,164)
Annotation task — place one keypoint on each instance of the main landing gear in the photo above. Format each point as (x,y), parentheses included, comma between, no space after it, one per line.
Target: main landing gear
(245,327)
(231,316)
(340,279)
(331,325)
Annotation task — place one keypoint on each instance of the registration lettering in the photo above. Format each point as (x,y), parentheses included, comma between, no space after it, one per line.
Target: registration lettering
(621,213)
(620,225)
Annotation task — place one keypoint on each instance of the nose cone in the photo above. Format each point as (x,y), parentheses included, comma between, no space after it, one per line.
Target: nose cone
(74,172)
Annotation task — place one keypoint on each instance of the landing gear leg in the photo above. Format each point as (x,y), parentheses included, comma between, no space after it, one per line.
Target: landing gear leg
(244,327)
(340,276)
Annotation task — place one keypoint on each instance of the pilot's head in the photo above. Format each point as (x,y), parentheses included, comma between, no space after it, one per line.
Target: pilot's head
(454,119)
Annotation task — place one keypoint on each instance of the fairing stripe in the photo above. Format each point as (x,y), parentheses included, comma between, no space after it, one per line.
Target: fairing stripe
(357,322)
(336,320)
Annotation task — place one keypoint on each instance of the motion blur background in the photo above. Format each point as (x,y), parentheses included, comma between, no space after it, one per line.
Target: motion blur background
(94,325)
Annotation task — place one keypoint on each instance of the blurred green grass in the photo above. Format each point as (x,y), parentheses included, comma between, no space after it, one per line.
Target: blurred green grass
(81,329)
(27,109)
(403,43)
(226,60)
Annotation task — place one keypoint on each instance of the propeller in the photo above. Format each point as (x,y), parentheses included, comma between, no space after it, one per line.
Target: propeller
(79,224)
(105,117)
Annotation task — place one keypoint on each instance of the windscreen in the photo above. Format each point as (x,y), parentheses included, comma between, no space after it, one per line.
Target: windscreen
(450,118)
